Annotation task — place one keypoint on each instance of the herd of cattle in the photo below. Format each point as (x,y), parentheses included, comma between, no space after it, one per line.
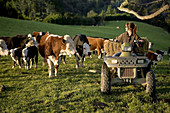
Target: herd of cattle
(54,48)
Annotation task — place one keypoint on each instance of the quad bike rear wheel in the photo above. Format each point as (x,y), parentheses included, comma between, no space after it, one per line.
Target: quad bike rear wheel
(105,79)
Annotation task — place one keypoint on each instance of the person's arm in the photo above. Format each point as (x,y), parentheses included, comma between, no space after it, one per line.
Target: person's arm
(119,38)
(138,38)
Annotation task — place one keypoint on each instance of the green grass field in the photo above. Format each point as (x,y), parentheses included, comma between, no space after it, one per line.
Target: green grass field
(78,90)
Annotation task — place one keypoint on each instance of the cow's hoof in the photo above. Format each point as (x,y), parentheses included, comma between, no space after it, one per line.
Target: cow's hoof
(50,76)
(77,66)
(82,66)
(2,88)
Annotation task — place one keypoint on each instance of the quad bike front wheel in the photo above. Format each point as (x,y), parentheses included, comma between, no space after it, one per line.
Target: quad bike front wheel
(105,79)
(150,83)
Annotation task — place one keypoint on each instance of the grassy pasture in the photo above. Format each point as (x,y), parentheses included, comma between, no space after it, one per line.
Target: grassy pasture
(78,90)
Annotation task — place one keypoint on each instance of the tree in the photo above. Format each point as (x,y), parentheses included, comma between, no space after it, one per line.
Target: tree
(109,10)
(126,2)
(91,13)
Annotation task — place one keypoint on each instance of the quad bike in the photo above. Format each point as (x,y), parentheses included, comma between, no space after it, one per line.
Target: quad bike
(128,68)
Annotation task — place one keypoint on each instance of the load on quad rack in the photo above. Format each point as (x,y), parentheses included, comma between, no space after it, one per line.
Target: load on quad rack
(127,67)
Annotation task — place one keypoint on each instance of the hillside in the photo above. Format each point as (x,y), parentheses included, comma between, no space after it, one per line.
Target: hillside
(12,27)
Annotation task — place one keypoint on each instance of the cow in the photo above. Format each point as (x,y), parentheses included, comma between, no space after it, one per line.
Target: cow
(52,47)
(38,35)
(161,52)
(82,45)
(29,54)
(3,48)
(16,55)
(96,44)
(16,41)
(154,57)
(31,42)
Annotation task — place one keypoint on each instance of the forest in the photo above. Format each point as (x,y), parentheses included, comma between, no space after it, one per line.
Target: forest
(82,12)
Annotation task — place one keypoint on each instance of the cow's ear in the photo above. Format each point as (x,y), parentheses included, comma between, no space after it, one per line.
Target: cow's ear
(1,46)
(81,38)
(64,41)
(80,46)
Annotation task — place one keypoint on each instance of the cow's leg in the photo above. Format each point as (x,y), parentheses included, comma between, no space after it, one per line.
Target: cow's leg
(82,60)
(77,61)
(19,62)
(64,59)
(36,60)
(99,53)
(25,61)
(22,62)
(32,62)
(28,63)
(56,61)
(56,64)
(50,67)
(155,63)
(14,63)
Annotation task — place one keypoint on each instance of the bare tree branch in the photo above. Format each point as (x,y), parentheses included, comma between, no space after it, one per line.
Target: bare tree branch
(121,8)
(153,2)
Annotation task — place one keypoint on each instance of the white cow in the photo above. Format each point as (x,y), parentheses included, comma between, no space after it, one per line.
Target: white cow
(3,48)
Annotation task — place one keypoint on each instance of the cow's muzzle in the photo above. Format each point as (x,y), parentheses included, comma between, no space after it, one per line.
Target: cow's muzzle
(89,53)
(9,52)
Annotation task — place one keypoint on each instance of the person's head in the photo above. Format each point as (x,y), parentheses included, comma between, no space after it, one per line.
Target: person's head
(131,28)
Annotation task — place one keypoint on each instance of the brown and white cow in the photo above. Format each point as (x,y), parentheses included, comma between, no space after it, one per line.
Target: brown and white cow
(3,48)
(51,47)
(96,44)
(154,57)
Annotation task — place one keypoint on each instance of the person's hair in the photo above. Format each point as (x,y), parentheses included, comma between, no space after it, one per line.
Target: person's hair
(132,27)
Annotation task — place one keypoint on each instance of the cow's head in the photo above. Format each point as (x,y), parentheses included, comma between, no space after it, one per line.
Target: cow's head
(12,52)
(31,42)
(70,47)
(86,49)
(159,57)
(3,48)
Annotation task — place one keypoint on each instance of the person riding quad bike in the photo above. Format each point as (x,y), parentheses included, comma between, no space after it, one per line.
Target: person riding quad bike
(127,67)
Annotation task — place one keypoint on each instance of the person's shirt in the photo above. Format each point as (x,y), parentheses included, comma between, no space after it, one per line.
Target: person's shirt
(124,37)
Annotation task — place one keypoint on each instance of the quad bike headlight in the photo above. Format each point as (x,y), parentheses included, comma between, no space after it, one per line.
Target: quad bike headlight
(127,49)
(141,61)
(114,61)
